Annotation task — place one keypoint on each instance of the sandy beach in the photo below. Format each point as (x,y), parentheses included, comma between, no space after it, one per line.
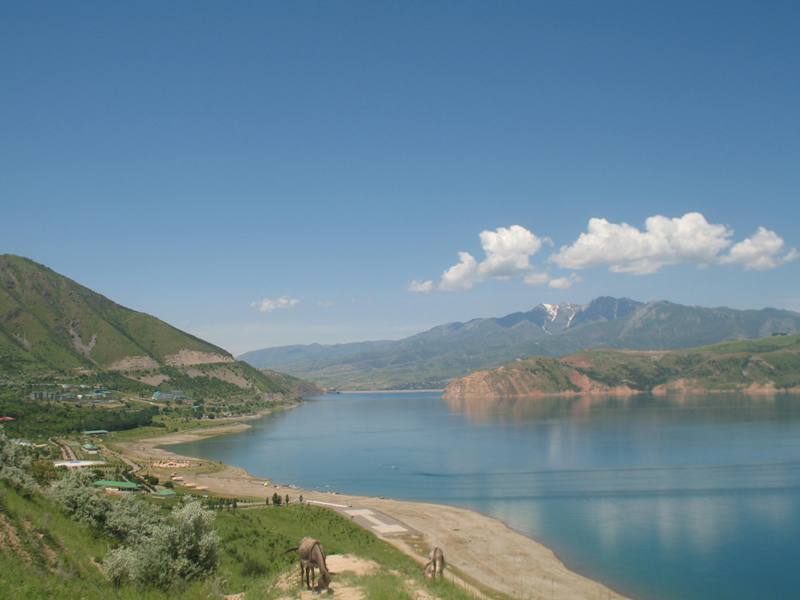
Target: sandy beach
(483,553)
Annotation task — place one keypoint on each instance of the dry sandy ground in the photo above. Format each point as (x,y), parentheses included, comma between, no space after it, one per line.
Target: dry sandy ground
(482,551)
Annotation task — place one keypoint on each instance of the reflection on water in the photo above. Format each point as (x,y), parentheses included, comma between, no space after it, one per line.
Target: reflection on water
(660,497)
(481,410)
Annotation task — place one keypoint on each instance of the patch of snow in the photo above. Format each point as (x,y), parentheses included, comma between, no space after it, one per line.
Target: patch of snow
(552,310)
(571,317)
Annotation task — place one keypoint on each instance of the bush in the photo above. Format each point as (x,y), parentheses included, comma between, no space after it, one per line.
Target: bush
(166,552)
(78,498)
(130,519)
(15,460)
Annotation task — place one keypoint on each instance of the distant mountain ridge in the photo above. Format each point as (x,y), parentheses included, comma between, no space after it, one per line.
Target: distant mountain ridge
(433,357)
(53,326)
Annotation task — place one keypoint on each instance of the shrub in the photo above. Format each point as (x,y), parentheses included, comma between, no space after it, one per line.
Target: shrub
(78,498)
(130,519)
(15,460)
(165,552)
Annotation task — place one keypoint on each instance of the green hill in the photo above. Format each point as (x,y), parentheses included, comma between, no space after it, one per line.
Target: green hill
(53,328)
(767,365)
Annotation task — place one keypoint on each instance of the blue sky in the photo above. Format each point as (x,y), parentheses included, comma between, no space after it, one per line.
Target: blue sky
(194,159)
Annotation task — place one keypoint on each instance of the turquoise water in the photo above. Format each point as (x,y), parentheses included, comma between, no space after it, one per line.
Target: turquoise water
(659,498)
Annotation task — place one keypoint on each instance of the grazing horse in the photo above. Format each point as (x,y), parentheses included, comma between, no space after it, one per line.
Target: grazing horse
(435,566)
(312,555)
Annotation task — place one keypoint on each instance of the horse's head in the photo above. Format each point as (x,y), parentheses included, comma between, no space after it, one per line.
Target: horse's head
(430,570)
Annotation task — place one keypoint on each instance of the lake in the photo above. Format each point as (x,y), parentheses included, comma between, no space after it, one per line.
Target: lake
(660,498)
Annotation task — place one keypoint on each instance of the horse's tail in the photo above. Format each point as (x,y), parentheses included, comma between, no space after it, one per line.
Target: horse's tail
(295,549)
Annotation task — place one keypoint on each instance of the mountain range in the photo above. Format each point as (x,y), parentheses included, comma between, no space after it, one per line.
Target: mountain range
(431,358)
(53,327)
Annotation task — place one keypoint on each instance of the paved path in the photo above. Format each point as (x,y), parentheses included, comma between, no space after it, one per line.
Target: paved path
(66,452)
(369,519)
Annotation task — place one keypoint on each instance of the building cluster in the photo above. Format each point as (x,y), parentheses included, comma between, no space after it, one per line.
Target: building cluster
(172,396)
(73,393)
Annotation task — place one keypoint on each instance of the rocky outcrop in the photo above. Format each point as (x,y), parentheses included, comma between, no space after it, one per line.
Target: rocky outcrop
(188,358)
(761,367)
(133,363)
(532,378)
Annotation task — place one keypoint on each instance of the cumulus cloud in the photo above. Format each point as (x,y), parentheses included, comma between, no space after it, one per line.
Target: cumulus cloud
(269,304)
(507,250)
(421,287)
(462,275)
(621,247)
(763,251)
(664,241)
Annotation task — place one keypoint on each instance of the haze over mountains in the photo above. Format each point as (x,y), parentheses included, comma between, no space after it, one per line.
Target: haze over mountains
(53,326)
(431,358)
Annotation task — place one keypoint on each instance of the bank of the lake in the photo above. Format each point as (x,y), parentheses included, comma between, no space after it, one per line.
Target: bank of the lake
(485,555)
(659,497)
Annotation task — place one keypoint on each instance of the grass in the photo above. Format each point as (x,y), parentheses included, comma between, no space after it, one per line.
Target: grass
(56,557)
(255,541)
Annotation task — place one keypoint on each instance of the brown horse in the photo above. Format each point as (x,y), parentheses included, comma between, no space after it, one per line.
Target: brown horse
(312,555)
(435,566)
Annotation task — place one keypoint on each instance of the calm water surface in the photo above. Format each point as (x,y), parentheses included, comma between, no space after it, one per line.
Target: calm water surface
(659,498)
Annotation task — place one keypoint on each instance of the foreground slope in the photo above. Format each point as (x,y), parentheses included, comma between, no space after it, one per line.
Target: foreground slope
(45,554)
(51,326)
(431,358)
(767,365)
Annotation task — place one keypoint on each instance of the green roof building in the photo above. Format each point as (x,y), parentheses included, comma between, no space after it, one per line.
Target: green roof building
(162,494)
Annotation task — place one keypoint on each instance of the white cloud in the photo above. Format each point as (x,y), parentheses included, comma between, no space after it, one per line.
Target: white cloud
(564,283)
(421,287)
(764,250)
(269,304)
(507,254)
(621,247)
(461,276)
(508,251)
(664,241)
(325,303)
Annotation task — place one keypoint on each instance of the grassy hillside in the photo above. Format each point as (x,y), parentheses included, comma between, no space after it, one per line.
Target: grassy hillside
(58,323)
(295,385)
(45,554)
(765,365)
(53,329)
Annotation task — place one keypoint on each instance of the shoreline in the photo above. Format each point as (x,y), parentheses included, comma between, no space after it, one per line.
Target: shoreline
(403,391)
(753,391)
(520,565)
